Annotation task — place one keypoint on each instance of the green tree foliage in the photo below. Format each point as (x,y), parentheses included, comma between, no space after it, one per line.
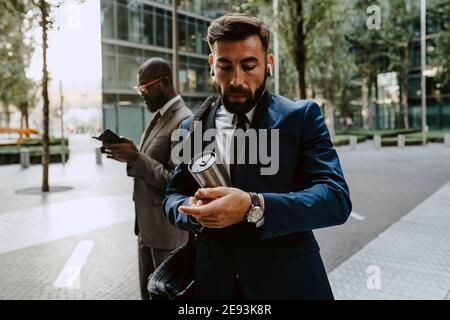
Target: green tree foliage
(440,13)
(296,23)
(40,11)
(397,35)
(330,65)
(369,51)
(15,56)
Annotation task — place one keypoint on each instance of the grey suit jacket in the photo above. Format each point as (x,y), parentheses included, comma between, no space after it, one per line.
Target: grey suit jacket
(152,172)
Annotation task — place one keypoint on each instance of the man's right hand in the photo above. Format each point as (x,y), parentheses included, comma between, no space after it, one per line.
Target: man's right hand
(125,151)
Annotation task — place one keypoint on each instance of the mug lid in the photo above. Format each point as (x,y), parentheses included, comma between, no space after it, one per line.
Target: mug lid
(202,162)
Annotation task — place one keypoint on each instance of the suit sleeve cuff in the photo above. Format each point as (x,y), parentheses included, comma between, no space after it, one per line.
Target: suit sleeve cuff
(198,228)
(260,223)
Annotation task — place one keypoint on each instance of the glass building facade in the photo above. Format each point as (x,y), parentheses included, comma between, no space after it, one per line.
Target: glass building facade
(438,95)
(136,30)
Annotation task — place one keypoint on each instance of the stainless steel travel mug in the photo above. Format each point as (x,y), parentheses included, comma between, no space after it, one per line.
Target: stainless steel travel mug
(206,171)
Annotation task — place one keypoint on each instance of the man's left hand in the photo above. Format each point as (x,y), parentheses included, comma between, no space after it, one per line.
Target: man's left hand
(124,151)
(224,207)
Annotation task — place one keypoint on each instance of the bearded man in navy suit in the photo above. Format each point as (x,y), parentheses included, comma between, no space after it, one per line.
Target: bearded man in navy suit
(254,237)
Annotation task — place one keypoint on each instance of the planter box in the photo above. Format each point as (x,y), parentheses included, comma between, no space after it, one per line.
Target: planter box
(344,140)
(11,154)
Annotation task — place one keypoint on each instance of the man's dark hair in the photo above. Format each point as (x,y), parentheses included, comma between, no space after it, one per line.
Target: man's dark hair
(237,27)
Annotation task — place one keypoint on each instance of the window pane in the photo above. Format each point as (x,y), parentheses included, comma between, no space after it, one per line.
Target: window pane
(109,112)
(169,29)
(204,32)
(135,23)
(107,19)
(161,27)
(182,33)
(148,35)
(130,122)
(182,74)
(109,71)
(122,22)
(191,41)
(128,67)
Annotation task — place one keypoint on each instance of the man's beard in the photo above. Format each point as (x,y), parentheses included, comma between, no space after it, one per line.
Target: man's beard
(244,106)
(153,104)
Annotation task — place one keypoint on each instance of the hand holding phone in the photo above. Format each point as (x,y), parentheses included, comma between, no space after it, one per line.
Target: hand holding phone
(117,148)
(109,137)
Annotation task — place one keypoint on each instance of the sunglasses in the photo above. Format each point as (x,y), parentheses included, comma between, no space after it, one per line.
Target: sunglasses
(141,89)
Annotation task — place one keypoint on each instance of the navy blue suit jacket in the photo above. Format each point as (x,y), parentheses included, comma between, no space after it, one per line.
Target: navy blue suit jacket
(280,260)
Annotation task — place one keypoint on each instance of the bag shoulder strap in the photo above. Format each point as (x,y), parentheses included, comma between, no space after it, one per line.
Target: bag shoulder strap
(207,105)
(199,115)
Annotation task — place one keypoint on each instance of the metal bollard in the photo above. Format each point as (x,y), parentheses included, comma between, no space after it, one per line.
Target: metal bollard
(98,156)
(24,157)
(353,142)
(377,142)
(401,141)
(447,140)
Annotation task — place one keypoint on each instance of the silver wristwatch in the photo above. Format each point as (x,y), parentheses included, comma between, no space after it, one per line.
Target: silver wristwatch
(256,211)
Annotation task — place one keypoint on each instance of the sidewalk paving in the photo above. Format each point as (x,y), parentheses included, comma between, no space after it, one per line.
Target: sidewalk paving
(40,233)
(409,260)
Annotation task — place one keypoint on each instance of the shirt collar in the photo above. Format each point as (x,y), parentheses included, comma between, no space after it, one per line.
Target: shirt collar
(168,104)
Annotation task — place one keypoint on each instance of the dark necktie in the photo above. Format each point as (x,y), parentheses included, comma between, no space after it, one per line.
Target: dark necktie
(151,126)
(241,122)
(154,121)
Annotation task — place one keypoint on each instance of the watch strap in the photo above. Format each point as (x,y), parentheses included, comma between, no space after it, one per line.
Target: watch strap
(255,199)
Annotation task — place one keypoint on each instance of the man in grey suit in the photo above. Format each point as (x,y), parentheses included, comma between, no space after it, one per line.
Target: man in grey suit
(152,168)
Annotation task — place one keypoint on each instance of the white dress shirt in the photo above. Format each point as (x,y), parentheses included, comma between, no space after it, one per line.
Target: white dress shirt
(224,134)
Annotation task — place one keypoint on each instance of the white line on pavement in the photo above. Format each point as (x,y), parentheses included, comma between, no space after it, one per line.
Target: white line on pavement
(356,216)
(70,275)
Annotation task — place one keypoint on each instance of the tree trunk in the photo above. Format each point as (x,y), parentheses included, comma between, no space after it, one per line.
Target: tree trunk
(22,115)
(26,116)
(301,51)
(404,87)
(44,8)
(7,114)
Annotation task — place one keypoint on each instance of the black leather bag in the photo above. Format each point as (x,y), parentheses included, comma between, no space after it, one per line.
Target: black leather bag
(174,277)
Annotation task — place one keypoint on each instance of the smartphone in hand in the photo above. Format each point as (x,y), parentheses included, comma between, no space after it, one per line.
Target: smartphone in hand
(109,137)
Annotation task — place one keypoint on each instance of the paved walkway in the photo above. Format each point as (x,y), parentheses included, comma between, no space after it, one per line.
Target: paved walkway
(80,244)
(38,225)
(409,260)
(77,244)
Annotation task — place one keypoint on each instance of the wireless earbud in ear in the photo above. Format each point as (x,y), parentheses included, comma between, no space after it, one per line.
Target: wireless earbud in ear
(212,72)
(269,70)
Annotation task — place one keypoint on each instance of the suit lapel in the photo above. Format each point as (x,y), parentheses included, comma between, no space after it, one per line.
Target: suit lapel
(261,111)
(210,121)
(161,122)
(144,134)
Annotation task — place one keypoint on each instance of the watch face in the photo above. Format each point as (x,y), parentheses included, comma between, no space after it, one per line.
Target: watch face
(255,214)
